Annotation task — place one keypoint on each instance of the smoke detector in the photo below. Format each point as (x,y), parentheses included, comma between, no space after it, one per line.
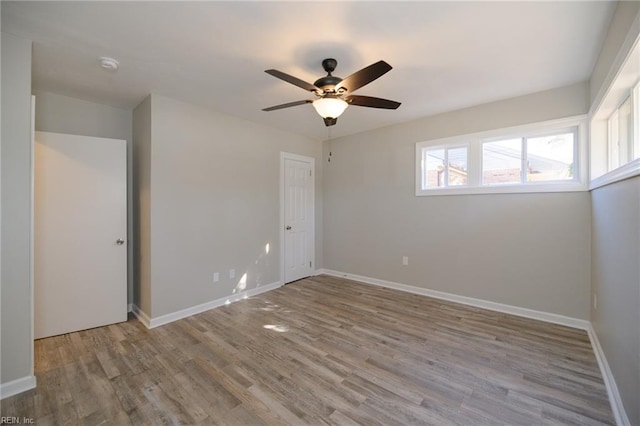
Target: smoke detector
(108,63)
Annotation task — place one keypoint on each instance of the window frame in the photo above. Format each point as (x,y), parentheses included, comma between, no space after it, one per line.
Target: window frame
(475,142)
(622,162)
(623,81)
(619,154)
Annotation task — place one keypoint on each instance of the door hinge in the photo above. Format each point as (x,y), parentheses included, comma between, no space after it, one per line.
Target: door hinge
(309,172)
(310,265)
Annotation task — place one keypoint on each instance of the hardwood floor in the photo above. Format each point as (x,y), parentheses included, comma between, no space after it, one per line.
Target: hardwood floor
(321,351)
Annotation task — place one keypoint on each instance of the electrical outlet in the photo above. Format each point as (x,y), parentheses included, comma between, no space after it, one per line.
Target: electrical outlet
(405,260)
(595,301)
(216,277)
(232,273)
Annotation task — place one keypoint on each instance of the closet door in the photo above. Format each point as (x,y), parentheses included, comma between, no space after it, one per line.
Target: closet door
(80,231)
(299,238)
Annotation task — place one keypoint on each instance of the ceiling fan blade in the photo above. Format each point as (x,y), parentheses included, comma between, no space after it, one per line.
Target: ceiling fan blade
(287,105)
(371,102)
(364,76)
(330,121)
(293,80)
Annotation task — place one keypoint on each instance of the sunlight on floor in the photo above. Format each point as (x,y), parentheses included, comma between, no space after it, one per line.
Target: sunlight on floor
(278,328)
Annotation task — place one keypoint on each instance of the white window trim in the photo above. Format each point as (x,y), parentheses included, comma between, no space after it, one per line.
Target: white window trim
(620,82)
(626,171)
(474,159)
(616,171)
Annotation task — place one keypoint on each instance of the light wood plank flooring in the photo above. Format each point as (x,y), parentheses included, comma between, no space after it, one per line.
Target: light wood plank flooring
(321,351)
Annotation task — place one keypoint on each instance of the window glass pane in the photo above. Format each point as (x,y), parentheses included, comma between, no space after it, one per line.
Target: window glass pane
(635,151)
(613,153)
(502,162)
(434,168)
(550,158)
(625,132)
(457,158)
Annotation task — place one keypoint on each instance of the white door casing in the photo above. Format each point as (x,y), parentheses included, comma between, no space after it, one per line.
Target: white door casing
(80,214)
(298,221)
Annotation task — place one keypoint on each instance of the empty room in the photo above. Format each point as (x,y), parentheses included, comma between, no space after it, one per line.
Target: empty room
(320,213)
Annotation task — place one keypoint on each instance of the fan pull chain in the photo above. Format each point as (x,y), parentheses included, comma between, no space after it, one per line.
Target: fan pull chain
(329,132)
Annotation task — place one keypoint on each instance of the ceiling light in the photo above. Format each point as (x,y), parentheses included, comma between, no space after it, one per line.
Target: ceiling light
(108,63)
(330,107)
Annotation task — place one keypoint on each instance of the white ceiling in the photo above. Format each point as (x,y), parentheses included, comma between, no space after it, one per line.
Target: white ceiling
(446,55)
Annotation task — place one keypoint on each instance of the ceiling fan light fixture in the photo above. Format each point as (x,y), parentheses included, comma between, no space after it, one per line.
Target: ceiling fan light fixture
(330,107)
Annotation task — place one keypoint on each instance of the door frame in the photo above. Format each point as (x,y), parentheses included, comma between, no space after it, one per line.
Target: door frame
(312,162)
(32,235)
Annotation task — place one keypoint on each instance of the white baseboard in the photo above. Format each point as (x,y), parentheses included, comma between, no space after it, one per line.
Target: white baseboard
(17,386)
(612,389)
(479,303)
(184,313)
(142,317)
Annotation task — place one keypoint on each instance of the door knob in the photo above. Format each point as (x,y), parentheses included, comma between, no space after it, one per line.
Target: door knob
(288,228)
(119,241)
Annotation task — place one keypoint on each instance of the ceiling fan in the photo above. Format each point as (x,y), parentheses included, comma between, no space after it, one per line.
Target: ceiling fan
(334,94)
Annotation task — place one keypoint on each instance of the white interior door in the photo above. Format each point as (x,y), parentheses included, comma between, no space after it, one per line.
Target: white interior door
(80,227)
(299,228)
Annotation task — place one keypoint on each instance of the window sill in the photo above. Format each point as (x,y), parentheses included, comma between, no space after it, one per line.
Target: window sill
(506,189)
(629,170)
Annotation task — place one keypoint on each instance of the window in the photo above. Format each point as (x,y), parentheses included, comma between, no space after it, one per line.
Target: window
(533,158)
(551,158)
(444,167)
(615,125)
(620,137)
(502,162)
(543,158)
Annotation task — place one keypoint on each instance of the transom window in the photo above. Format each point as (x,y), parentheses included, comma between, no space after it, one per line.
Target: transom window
(622,141)
(529,159)
(615,125)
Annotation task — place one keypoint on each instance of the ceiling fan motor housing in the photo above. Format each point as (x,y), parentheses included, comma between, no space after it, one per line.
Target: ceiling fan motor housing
(328,82)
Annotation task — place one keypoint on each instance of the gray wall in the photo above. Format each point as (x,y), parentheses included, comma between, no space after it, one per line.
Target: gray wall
(62,114)
(142,204)
(214,203)
(16,342)
(527,250)
(616,238)
(616,284)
